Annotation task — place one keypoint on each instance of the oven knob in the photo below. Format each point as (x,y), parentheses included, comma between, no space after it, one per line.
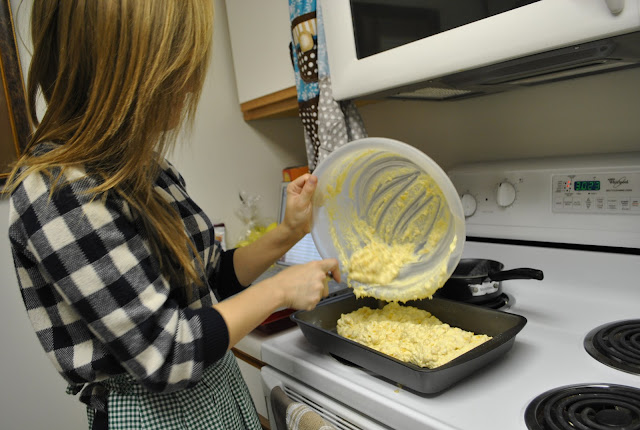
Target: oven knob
(506,194)
(469,205)
(615,6)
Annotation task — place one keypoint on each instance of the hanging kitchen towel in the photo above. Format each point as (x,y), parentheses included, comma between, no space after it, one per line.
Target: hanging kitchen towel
(328,124)
(279,403)
(290,415)
(302,417)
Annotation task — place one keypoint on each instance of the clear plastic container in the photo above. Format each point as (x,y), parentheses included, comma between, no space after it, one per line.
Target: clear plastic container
(392,218)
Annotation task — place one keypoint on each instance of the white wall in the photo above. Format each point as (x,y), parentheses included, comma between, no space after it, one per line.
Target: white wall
(594,114)
(32,394)
(223,156)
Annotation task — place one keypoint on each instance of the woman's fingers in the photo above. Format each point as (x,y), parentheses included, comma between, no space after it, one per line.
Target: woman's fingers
(302,189)
(299,203)
(304,185)
(309,188)
(331,267)
(305,285)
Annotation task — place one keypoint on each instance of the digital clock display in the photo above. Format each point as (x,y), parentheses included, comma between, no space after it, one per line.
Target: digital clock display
(586,185)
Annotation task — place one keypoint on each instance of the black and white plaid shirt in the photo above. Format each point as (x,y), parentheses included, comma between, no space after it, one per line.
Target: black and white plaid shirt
(95,294)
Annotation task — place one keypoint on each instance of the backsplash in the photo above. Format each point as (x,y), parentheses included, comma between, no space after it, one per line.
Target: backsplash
(593,114)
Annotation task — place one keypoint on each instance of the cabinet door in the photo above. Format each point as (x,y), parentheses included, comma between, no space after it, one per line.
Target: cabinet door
(252,378)
(260,35)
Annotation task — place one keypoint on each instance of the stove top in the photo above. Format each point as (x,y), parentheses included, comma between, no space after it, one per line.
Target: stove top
(577,219)
(586,407)
(616,344)
(548,353)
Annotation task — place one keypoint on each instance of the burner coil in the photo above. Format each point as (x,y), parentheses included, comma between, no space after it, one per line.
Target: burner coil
(616,344)
(585,407)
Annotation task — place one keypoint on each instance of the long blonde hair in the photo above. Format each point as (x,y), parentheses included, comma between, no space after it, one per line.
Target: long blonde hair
(118,78)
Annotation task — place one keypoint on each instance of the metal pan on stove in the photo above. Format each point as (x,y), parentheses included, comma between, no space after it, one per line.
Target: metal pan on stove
(319,328)
(477,280)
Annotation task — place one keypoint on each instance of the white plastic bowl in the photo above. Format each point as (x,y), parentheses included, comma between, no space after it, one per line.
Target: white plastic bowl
(345,194)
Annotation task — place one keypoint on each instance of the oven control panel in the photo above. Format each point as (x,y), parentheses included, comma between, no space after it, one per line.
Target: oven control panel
(596,193)
(587,200)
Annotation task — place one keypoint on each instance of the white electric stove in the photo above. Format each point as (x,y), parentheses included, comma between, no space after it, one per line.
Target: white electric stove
(577,220)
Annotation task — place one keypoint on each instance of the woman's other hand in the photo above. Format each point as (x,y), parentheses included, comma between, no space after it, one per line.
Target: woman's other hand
(304,285)
(299,207)
(297,287)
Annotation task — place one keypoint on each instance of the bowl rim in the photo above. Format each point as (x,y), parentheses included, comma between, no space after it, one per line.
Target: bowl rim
(325,245)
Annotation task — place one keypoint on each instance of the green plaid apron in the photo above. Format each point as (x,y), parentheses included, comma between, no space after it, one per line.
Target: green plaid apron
(221,400)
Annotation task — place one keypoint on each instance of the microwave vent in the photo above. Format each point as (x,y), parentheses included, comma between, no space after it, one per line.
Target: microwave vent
(546,63)
(589,58)
(569,72)
(433,93)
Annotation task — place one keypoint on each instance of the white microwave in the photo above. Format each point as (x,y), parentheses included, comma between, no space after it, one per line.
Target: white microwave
(451,49)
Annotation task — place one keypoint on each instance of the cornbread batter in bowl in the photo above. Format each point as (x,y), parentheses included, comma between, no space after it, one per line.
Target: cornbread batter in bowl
(392,218)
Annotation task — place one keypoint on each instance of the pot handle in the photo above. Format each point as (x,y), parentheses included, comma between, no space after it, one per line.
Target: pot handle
(522,273)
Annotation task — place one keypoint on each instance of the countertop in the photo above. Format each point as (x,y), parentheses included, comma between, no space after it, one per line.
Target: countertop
(251,344)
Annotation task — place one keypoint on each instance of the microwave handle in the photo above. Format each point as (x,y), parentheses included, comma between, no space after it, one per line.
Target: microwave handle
(615,6)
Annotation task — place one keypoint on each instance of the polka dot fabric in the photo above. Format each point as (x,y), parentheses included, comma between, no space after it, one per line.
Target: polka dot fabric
(307,64)
(328,124)
(338,122)
(309,115)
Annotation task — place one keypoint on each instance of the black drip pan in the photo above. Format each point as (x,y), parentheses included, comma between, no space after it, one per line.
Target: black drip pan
(319,328)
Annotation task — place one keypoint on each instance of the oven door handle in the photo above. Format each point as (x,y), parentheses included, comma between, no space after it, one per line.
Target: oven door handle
(291,415)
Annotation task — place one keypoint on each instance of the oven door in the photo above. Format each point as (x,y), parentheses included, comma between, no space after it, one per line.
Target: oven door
(337,414)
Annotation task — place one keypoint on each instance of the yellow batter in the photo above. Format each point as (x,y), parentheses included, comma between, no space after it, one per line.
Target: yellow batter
(379,263)
(409,334)
(393,222)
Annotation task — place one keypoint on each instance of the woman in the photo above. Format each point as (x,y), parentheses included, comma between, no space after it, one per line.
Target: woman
(118,267)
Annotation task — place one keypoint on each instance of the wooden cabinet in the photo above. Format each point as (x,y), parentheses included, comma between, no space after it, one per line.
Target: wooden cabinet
(250,369)
(260,33)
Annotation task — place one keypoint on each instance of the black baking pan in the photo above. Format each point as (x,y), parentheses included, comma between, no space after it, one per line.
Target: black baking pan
(319,328)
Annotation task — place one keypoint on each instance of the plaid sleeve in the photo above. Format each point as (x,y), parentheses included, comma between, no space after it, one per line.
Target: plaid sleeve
(92,254)
(224,282)
(222,276)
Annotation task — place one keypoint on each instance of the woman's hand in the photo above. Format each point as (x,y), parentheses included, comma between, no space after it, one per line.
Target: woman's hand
(252,260)
(304,285)
(299,207)
(298,287)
